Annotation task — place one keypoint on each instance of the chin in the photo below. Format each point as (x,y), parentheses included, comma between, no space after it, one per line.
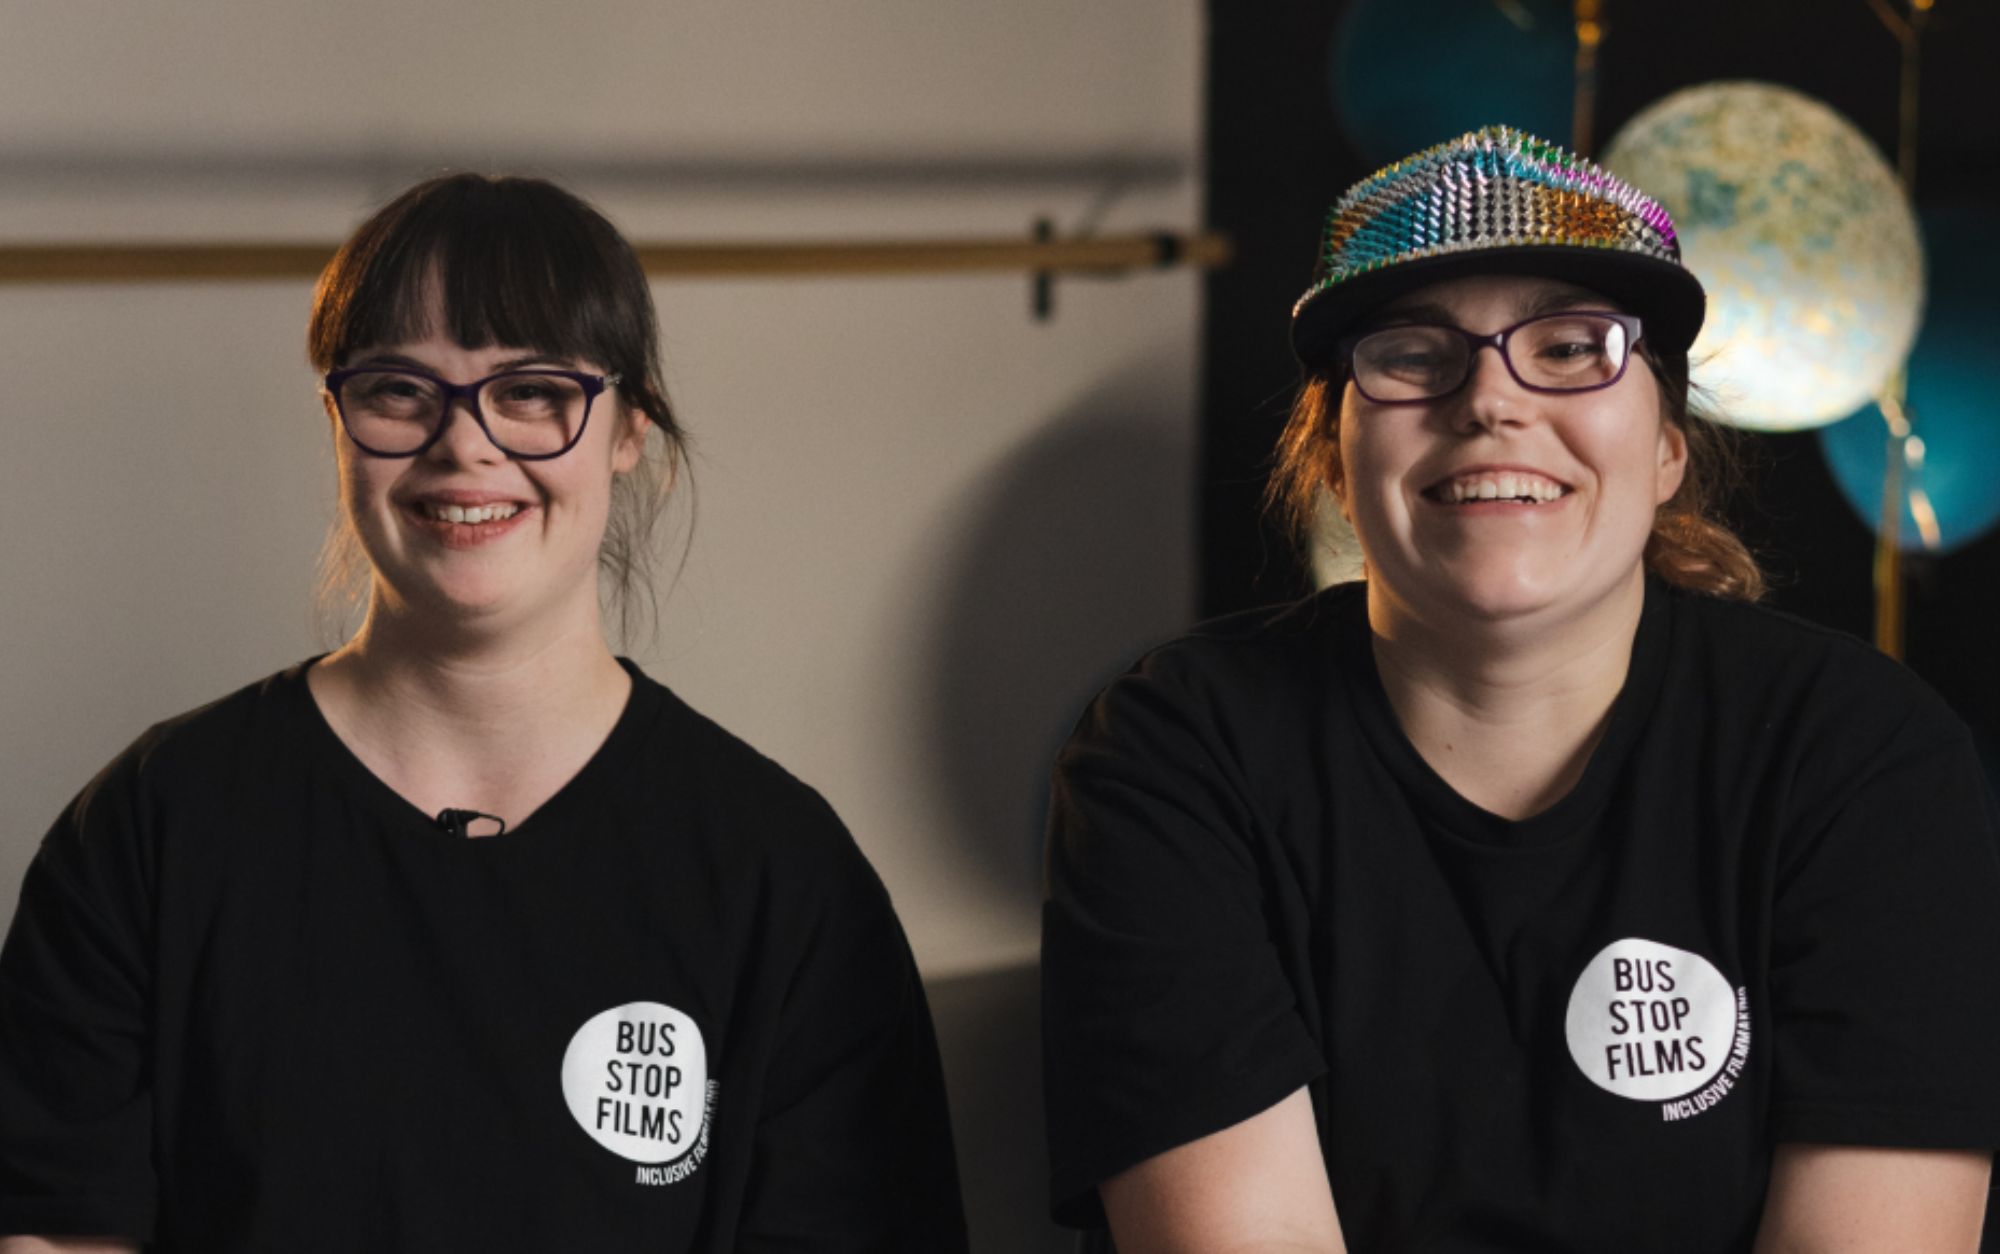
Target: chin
(1501,595)
(1500,606)
(1488,589)
(457,600)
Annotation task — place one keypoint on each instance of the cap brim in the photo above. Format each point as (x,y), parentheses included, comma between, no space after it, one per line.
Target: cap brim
(1667,299)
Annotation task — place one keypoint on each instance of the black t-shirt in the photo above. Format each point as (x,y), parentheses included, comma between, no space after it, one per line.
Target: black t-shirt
(253,1000)
(1769,911)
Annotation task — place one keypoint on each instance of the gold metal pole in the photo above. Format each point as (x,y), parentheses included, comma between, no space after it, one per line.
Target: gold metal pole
(1889,599)
(1583,108)
(1889,523)
(1906,102)
(1110,254)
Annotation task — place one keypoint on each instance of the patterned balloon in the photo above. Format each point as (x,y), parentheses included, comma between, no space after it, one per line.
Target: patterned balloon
(1801,234)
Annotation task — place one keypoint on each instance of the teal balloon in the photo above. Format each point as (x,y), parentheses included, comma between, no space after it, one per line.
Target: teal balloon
(1406,74)
(1953,395)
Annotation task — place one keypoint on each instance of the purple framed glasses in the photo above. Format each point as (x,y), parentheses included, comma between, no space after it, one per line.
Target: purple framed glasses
(530,415)
(1573,351)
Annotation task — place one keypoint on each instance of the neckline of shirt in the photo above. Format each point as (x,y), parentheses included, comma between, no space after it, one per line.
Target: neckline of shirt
(643,705)
(1442,804)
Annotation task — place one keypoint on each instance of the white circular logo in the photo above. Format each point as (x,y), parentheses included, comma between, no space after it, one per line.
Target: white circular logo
(636,1078)
(1651,1022)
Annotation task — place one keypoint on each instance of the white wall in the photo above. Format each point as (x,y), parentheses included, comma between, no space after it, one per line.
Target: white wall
(928,525)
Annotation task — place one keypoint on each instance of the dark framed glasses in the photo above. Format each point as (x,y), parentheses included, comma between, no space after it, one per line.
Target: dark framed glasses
(1576,351)
(531,415)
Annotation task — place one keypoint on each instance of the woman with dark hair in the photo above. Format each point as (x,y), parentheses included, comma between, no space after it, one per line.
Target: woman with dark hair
(468,935)
(1539,891)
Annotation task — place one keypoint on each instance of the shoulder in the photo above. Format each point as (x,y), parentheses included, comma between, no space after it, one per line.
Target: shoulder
(1270,665)
(190,753)
(1757,628)
(117,830)
(1221,724)
(1819,721)
(1801,676)
(739,801)
(1270,644)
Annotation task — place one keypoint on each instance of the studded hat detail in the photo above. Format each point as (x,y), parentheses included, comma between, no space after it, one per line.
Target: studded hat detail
(1496,201)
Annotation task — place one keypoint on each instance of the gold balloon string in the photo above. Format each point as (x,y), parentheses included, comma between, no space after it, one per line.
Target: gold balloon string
(1889,526)
(1583,108)
(1903,458)
(1920,500)
(1895,408)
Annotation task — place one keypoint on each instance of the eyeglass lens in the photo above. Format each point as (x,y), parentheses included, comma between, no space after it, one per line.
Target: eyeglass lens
(1561,353)
(395,412)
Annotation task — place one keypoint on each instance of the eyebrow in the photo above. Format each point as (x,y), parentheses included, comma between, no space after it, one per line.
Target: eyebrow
(1556,299)
(1417,312)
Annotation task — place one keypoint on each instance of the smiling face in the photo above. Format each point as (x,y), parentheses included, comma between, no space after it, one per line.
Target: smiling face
(462,534)
(1497,502)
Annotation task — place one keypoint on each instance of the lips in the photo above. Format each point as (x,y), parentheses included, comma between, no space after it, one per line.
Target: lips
(475,515)
(465,519)
(1505,485)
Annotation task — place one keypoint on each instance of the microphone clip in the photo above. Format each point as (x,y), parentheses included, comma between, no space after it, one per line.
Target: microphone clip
(459,822)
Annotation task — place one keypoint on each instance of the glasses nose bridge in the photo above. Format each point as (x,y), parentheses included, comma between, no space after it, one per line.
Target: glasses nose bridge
(1497,341)
(467,392)
(452,394)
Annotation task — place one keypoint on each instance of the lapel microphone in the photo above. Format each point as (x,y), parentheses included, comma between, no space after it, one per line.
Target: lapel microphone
(459,822)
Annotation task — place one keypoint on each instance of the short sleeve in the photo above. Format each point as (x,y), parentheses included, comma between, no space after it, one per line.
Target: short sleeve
(1885,959)
(76,1112)
(853,1143)
(1167,1012)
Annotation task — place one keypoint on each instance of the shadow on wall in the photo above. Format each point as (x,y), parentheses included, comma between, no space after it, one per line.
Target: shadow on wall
(1077,556)
(1072,557)
(989,1030)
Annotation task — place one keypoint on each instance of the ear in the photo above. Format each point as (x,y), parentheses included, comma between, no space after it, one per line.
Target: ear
(1334,478)
(1336,491)
(630,441)
(343,448)
(1673,460)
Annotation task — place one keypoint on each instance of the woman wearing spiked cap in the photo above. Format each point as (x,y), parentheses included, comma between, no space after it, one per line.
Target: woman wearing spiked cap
(1538,891)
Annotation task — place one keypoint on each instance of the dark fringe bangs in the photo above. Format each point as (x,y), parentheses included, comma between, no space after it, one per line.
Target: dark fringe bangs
(519,263)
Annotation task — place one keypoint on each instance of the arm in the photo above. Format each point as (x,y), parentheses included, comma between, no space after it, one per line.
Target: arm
(1172,1031)
(1837,1198)
(853,1146)
(1258,1187)
(1885,992)
(76,1115)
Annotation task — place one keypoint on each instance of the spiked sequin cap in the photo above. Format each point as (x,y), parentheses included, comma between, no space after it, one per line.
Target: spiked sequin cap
(1496,201)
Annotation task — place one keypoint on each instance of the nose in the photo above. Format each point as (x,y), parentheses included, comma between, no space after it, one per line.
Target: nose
(463,441)
(1490,397)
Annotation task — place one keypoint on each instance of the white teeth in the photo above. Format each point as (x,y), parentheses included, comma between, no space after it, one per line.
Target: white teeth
(477,514)
(1501,486)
